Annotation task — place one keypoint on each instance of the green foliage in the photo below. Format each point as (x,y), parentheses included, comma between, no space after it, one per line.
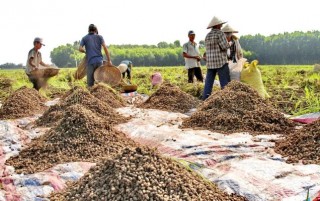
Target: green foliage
(294,90)
(287,48)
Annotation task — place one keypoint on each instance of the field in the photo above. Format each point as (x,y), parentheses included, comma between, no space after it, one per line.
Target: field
(293,89)
(170,146)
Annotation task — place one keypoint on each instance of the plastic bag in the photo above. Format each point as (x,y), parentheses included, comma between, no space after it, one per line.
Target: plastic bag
(236,68)
(251,75)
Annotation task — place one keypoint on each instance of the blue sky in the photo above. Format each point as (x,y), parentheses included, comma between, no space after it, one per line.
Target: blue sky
(141,21)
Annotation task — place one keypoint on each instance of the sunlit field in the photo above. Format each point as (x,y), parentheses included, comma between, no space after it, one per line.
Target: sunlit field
(293,89)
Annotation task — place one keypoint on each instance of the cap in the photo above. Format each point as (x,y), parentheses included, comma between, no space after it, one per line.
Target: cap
(40,40)
(191,33)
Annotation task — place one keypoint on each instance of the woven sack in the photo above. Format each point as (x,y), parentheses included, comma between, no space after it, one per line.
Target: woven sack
(251,75)
(108,74)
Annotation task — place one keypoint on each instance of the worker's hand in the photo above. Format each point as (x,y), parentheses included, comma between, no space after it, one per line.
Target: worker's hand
(198,58)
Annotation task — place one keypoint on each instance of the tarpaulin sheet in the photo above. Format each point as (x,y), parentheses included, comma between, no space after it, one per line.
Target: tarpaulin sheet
(238,163)
(16,134)
(307,118)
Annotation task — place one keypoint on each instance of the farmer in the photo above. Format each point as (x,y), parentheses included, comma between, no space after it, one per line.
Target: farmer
(34,62)
(192,58)
(126,68)
(216,56)
(235,51)
(156,80)
(91,45)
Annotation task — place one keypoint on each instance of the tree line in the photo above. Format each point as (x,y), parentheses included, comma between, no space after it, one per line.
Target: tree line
(286,48)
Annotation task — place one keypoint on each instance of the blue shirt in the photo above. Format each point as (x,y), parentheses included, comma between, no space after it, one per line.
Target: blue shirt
(92,43)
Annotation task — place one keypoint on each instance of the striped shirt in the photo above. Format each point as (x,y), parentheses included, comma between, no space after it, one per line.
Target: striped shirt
(216,49)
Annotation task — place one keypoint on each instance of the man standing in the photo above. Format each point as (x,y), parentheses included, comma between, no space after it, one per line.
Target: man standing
(216,57)
(192,58)
(91,45)
(34,62)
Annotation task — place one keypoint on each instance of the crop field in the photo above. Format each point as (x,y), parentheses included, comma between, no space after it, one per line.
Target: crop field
(293,89)
(70,142)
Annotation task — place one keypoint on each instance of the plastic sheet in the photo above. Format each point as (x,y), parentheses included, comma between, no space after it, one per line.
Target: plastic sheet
(238,163)
(16,134)
(307,118)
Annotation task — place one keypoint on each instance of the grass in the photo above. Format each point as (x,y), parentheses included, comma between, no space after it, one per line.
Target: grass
(294,89)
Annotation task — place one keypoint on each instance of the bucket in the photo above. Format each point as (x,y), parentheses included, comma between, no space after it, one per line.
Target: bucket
(129,88)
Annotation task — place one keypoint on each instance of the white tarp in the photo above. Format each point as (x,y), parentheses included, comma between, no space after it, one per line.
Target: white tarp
(238,163)
(19,187)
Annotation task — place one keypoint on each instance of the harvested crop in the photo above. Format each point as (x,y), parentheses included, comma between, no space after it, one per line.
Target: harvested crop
(238,108)
(142,174)
(82,135)
(170,98)
(80,96)
(302,145)
(23,102)
(108,95)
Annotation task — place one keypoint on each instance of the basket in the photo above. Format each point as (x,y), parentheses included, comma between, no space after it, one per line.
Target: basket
(81,69)
(129,88)
(44,72)
(38,73)
(108,74)
(50,72)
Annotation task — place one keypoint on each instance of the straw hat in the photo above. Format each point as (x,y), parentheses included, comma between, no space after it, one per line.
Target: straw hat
(123,67)
(108,74)
(228,29)
(215,21)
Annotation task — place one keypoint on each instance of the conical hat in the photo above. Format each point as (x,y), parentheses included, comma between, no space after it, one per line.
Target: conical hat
(215,21)
(228,29)
(123,67)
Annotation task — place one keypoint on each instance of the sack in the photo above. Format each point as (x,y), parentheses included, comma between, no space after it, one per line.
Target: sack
(236,68)
(251,75)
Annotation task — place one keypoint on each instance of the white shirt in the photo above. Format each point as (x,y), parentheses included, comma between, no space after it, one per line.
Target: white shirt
(192,50)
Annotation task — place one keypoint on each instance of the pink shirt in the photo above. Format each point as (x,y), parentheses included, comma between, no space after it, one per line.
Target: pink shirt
(156,78)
